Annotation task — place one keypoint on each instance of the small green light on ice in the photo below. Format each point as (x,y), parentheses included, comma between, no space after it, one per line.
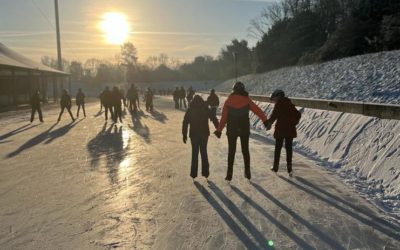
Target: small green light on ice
(270,243)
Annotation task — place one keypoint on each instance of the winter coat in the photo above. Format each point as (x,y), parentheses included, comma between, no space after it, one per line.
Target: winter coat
(132,94)
(287,117)
(176,94)
(235,114)
(197,117)
(190,94)
(116,98)
(107,97)
(148,96)
(182,93)
(35,100)
(80,98)
(213,100)
(65,100)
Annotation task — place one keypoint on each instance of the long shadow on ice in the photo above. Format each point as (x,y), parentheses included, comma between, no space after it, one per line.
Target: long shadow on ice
(226,218)
(158,116)
(338,199)
(258,236)
(138,127)
(356,214)
(108,143)
(321,235)
(17,131)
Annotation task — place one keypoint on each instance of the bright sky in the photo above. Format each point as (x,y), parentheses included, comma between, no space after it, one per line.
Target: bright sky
(182,29)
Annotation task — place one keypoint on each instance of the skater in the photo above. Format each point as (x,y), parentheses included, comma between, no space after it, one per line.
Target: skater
(101,97)
(182,98)
(235,114)
(35,104)
(148,96)
(190,95)
(175,96)
(65,103)
(107,102)
(213,102)
(197,117)
(133,97)
(116,99)
(80,102)
(287,117)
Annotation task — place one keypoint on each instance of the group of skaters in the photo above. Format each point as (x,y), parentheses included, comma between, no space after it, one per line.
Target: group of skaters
(235,116)
(65,104)
(180,95)
(112,100)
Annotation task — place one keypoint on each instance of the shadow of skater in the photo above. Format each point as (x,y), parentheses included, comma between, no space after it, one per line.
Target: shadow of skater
(331,242)
(356,214)
(109,144)
(17,131)
(32,142)
(258,236)
(60,131)
(98,113)
(139,128)
(158,116)
(227,218)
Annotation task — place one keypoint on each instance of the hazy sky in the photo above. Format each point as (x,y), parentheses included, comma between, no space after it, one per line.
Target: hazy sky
(180,28)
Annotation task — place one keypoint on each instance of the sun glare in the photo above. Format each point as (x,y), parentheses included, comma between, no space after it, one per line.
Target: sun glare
(115,27)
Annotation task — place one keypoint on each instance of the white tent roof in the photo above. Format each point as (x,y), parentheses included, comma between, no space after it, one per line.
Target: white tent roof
(10,58)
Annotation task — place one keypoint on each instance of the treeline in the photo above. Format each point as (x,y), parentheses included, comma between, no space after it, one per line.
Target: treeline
(289,32)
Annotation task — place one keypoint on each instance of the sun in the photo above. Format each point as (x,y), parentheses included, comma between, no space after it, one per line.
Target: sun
(115,27)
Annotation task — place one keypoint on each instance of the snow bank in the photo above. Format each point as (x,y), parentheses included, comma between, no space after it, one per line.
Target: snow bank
(369,78)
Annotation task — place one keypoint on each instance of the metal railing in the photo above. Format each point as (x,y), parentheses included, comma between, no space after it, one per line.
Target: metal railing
(379,110)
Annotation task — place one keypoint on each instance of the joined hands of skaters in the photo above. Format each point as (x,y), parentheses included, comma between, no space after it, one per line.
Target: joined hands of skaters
(184,139)
(268,125)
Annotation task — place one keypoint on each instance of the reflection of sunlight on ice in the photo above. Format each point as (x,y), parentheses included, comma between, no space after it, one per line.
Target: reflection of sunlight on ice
(125,139)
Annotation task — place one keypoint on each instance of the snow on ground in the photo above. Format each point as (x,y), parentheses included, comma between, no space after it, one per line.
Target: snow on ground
(95,185)
(367,78)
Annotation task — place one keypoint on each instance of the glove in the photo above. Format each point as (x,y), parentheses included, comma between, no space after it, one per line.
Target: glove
(267,125)
(184,139)
(218,134)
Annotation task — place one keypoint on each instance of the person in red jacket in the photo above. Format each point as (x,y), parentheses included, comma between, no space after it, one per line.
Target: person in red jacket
(287,117)
(235,114)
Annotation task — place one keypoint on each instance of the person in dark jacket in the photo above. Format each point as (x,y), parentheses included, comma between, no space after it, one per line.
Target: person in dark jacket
(107,102)
(101,97)
(182,98)
(287,117)
(175,96)
(197,117)
(35,104)
(65,103)
(213,102)
(80,102)
(190,95)
(148,97)
(133,98)
(235,114)
(116,98)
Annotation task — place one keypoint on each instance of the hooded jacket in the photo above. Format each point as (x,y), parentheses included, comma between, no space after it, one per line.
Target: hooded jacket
(235,114)
(287,117)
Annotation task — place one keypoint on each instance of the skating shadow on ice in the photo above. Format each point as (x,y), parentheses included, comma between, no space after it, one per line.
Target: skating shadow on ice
(98,114)
(138,127)
(316,231)
(108,144)
(363,217)
(17,131)
(242,236)
(158,116)
(46,135)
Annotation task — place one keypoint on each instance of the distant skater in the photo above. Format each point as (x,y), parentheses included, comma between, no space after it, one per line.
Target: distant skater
(101,97)
(36,99)
(107,102)
(235,114)
(116,99)
(213,102)
(175,96)
(80,102)
(182,98)
(66,104)
(149,96)
(196,118)
(133,98)
(190,95)
(287,117)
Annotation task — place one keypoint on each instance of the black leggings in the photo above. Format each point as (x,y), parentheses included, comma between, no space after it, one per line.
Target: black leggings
(289,152)
(244,141)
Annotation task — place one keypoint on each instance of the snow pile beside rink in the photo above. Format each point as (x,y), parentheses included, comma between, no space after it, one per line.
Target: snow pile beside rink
(365,151)
(368,78)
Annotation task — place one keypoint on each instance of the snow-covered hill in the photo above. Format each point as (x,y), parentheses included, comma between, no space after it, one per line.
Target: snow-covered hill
(365,151)
(369,78)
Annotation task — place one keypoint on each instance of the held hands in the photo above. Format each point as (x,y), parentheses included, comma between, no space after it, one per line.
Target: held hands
(184,139)
(218,134)
(267,125)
